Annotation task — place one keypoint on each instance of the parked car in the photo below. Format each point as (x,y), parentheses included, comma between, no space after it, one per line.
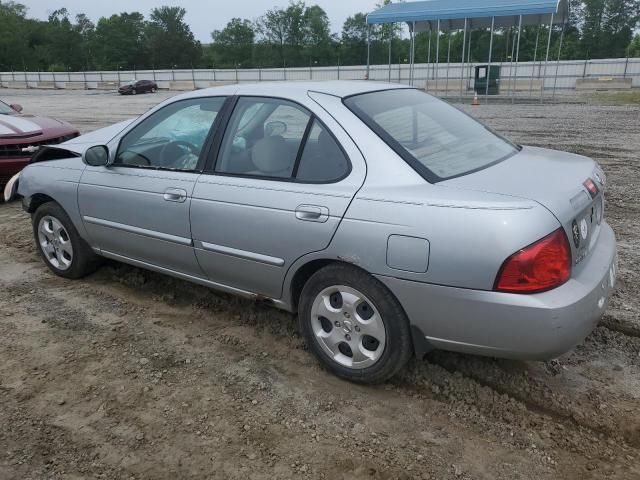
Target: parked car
(21,135)
(391,222)
(138,86)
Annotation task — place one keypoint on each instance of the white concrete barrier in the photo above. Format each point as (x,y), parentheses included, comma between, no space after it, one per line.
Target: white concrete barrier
(604,83)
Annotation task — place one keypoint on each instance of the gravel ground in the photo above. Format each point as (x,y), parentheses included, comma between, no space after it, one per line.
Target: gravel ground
(129,374)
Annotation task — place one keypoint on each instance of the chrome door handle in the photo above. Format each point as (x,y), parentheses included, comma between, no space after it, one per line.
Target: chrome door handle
(175,195)
(312,213)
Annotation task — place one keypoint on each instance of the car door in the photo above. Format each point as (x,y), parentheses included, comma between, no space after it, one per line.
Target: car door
(137,207)
(282,181)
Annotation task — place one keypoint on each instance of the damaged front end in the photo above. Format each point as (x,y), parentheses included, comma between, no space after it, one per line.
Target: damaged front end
(70,149)
(42,154)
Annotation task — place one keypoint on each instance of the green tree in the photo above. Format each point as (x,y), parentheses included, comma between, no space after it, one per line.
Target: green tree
(354,39)
(233,45)
(118,41)
(634,47)
(619,22)
(169,39)
(284,29)
(14,42)
(608,27)
(318,39)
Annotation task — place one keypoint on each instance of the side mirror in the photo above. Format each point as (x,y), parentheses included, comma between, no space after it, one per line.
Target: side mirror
(16,107)
(97,156)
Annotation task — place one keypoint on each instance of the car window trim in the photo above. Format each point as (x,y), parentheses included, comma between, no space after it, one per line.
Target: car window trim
(303,145)
(214,158)
(201,159)
(213,143)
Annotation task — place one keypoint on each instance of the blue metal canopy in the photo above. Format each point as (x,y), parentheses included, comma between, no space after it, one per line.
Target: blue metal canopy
(452,13)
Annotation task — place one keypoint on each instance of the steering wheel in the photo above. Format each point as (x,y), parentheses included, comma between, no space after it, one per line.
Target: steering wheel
(176,149)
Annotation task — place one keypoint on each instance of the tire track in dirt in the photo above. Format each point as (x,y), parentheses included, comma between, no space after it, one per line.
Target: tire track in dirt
(313,409)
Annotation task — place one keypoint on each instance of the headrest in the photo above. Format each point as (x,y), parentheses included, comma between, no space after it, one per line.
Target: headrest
(271,155)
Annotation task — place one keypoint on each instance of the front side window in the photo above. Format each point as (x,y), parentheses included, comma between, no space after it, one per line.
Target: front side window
(438,140)
(173,137)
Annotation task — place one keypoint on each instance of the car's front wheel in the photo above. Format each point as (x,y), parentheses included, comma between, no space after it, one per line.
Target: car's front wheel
(354,325)
(61,247)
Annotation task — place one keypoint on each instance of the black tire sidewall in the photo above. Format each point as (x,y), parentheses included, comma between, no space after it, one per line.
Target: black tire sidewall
(84,260)
(398,348)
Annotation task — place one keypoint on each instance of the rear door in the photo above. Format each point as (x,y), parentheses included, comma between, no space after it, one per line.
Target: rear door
(138,207)
(282,181)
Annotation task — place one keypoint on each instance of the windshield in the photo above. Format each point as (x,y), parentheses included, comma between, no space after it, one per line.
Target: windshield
(436,139)
(6,109)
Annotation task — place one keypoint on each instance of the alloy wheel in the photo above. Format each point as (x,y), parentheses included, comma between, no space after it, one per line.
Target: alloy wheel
(348,327)
(55,242)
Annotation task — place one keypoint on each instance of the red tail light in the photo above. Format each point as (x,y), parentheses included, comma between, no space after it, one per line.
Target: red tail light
(541,266)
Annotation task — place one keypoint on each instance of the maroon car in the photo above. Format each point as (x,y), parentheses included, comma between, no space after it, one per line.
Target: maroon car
(21,135)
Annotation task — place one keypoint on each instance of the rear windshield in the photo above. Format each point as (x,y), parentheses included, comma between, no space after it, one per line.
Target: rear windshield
(438,140)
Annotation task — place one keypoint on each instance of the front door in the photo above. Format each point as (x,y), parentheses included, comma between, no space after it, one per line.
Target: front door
(138,207)
(280,186)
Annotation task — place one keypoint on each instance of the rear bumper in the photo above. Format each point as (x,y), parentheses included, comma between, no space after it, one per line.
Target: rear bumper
(534,327)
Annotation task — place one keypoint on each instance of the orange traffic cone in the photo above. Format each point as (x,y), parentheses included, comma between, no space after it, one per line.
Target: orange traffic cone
(475,101)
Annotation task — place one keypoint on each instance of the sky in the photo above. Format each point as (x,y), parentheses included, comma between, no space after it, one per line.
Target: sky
(203,16)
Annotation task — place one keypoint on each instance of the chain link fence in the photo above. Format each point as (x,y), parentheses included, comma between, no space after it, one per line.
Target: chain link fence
(517,79)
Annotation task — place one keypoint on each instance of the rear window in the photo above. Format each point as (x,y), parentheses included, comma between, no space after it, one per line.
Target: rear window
(436,139)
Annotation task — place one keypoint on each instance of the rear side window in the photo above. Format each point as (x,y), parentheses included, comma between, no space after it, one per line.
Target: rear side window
(322,159)
(279,140)
(436,139)
(263,138)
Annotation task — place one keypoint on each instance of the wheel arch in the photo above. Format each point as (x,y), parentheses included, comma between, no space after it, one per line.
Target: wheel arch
(304,272)
(300,277)
(33,202)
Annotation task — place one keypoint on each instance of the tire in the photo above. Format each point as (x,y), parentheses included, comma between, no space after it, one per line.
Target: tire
(61,247)
(153,89)
(339,307)
(134,92)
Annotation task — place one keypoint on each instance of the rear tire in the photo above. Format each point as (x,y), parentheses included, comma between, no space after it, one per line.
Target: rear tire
(60,246)
(134,92)
(354,325)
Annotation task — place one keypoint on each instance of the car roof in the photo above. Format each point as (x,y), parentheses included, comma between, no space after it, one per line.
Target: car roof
(337,88)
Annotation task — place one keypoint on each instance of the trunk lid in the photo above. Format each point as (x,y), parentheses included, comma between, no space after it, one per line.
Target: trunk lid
(555,180)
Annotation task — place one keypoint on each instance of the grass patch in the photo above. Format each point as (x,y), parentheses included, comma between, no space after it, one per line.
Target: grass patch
(629,97)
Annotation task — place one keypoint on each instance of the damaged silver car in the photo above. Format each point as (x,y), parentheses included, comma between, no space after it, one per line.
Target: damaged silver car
(391,222)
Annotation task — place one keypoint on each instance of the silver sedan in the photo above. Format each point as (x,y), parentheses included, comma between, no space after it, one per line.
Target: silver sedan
(391,222)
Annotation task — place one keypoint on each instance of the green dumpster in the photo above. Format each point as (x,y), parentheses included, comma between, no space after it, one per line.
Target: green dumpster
(480,84)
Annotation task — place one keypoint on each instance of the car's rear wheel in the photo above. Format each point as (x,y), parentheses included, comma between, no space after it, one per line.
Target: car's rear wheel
(61,247)
(354,325)
(134,92)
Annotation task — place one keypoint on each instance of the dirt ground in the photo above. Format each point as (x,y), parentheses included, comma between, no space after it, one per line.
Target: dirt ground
(129,374)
